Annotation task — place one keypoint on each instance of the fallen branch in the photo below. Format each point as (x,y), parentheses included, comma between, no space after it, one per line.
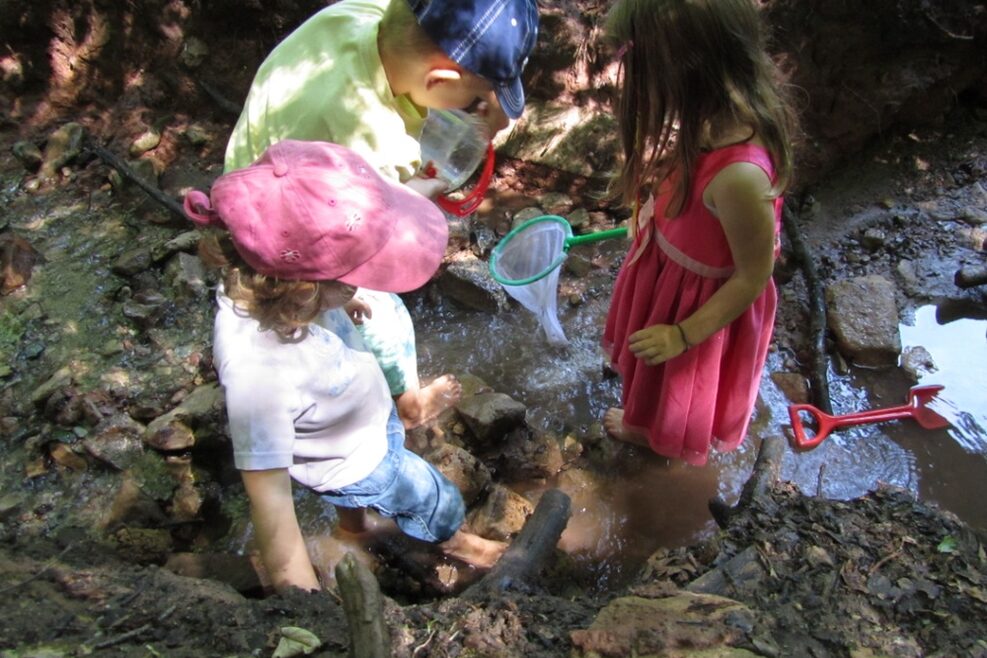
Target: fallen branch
(818,375)
(364,609)
(223,102)
(530,550)
(767,470)
(128,172)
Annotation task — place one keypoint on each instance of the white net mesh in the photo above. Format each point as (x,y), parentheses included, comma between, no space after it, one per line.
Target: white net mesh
(531,252)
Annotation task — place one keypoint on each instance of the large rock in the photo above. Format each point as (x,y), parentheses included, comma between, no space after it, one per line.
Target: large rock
(491,416)
(681,625)
(863,315)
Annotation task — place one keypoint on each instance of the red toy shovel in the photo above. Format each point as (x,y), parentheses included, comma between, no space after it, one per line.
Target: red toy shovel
(916,407)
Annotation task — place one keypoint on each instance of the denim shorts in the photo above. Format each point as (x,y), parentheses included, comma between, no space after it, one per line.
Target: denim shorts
(405,487)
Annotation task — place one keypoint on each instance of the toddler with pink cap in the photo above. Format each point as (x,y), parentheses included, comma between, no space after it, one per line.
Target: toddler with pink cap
(297,232)
(364,74)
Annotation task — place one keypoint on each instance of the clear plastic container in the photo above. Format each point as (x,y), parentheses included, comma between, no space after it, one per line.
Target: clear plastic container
(455,143)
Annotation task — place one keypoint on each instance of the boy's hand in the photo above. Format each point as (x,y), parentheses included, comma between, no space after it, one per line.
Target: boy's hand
(493,114)
(357,310)
(427,187)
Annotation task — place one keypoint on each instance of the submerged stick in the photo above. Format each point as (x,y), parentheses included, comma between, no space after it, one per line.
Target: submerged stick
(767,470)
(530,550)
(818,375)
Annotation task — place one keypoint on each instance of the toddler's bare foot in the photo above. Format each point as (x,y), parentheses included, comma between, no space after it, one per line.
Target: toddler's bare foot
(473,549)
(433,399)
(613,423)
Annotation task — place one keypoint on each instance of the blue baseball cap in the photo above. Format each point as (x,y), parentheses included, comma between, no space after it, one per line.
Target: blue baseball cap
(491,38)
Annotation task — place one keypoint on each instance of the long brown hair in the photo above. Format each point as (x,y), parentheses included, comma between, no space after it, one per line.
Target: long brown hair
(286,307)
(684,64)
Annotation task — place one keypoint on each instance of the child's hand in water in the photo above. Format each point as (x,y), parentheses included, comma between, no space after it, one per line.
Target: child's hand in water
(657,343)
(357,310)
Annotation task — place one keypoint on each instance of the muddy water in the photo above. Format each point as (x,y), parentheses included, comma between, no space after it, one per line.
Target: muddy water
(628,502)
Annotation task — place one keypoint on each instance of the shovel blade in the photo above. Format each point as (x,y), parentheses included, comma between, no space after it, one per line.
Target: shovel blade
(920,397)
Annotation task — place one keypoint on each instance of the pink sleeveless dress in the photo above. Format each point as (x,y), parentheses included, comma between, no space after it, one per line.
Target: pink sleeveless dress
(705,396)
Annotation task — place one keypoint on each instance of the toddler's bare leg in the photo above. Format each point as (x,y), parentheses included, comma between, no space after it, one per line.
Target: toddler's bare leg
(420,405)
(613,423)
(352,519)
(473,549)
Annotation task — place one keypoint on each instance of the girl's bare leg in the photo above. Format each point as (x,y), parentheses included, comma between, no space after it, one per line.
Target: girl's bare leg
(420,405)
(613,423)
(473,549)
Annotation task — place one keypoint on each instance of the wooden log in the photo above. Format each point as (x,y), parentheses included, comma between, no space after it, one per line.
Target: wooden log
(364,610)
(530,550)
(767,469)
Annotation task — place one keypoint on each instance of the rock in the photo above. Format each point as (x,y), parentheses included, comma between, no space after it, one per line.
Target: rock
(28,154)
(501,515)
(146,141)
(578,218)
(578,265)
(132,506)
(235,570)
(917,362)
(132,261)
(467,281)
(863,316)
(793,385)
(682,625)
(116,441)
(555,203)
(173,435)
(467,472)
(194,52)
(186,241)
(490,416)
(187,276)
(527,456)
(525,215)
(17,261)
(200,412)
(64,145)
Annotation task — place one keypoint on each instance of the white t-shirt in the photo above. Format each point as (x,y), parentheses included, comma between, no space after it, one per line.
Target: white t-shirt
(316,406)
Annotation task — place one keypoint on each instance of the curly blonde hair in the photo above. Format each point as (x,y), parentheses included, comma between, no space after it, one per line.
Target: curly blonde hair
(286,307)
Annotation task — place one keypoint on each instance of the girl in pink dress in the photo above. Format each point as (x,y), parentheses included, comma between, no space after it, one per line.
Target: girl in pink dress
(706,135)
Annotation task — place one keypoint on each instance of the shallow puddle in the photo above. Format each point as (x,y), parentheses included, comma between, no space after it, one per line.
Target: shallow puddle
(632,502)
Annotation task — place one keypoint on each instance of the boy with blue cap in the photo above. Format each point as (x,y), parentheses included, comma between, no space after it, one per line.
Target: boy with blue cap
(363,73)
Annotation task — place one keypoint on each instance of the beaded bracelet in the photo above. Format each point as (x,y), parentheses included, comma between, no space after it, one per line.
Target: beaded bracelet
(682,335)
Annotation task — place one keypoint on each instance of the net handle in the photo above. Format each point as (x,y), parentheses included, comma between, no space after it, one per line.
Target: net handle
(596,237)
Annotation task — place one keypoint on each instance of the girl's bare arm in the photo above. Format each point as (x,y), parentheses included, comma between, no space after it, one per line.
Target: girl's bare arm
(740,198)
(282,547)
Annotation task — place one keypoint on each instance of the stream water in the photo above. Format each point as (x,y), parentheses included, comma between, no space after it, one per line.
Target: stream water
(632,502)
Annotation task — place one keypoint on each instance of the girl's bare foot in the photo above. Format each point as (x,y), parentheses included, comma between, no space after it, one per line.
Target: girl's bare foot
(613,423)
(422,405)
(473,549)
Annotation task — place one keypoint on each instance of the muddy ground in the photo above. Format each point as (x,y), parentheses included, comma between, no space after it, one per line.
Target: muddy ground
(884,575)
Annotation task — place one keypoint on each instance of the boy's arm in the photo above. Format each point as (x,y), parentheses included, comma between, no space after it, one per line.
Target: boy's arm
(282,548)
